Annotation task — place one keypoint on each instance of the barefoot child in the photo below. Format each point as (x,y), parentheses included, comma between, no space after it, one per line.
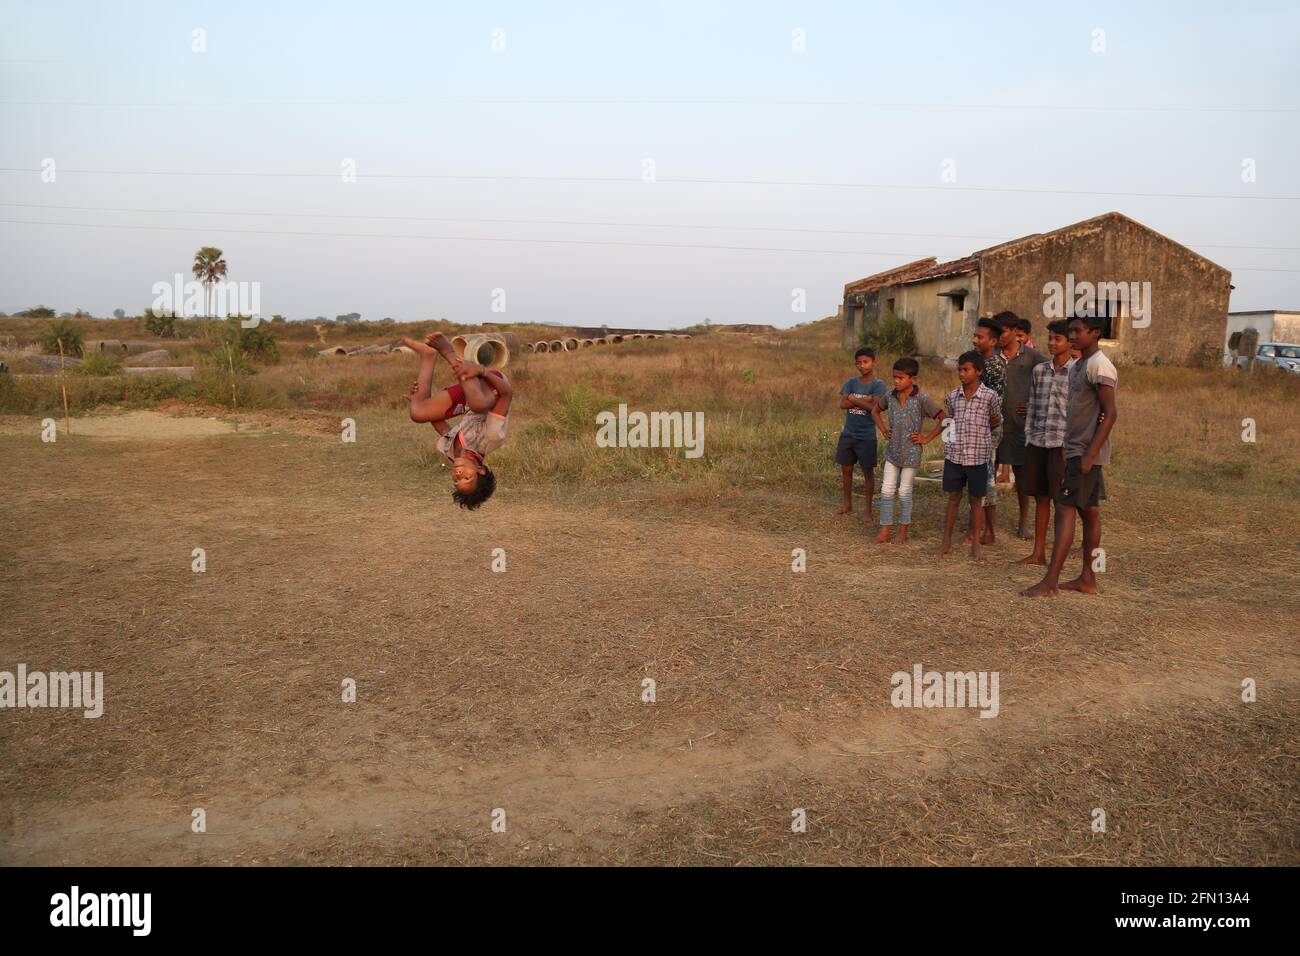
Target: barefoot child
(859,397)
(1090,416)
(481,399)
(969,447)
(1045,423)
(1021,362)
(988,333)
(908,409)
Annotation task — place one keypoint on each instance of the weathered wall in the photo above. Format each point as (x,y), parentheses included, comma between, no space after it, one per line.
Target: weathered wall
(1189,295)
(941,330)
(1286,327)
(939,327)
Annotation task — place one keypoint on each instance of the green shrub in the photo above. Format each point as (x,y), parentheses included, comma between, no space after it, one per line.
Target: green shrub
(66,332)
(161,324)
(99,363)
(890,334)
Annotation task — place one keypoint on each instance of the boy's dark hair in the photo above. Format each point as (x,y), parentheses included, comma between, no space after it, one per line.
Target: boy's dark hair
(1024,325)
(908,366)
(1092,320)
(487,483)
(973,358)
(1059,327)
(868,352)
(993,325)
(1006,317)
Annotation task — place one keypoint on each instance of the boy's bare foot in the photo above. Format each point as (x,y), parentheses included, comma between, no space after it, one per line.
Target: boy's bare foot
(1040,589)
(977,554)
(1024,535)
(987,538)
(1033,559)
(416,345)
(901,538)
(882,538)
(1082,586)
(943,549)
(843,509)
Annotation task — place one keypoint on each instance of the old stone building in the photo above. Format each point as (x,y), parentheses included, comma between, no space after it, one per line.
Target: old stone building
(1163,302)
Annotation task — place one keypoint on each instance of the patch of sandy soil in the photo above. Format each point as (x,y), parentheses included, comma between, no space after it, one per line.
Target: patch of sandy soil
(133,426)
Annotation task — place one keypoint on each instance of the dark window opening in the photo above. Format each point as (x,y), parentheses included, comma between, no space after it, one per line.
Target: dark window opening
(889,306)
(958,302)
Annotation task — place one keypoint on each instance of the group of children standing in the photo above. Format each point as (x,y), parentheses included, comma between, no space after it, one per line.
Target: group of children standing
(1045,418)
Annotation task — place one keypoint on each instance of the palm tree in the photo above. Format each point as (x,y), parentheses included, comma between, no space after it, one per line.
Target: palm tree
(209,267)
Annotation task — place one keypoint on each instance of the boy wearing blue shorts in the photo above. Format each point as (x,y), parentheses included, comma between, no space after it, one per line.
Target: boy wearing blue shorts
(968,447)
(860,396)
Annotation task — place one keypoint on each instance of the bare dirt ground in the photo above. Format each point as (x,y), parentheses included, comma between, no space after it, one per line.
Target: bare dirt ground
(523,690)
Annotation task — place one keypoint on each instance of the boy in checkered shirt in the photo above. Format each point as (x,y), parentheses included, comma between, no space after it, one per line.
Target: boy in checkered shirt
(968,448)
(1045,427)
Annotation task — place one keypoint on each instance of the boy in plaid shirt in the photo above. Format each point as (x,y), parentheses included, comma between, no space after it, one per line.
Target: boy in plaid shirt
(1090,416)
(1045,426)
(968,447)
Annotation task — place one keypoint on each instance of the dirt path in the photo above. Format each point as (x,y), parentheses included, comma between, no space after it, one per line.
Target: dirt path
(523,690)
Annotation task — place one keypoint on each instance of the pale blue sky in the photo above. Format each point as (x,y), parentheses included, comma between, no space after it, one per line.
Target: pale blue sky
(295,88)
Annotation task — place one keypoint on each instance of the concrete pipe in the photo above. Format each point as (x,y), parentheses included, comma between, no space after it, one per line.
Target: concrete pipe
(570,344)
(557,345)
(600,341)
(512,341)
(586,343)
(106,345)
(613,339)
(490,351)
(543,346)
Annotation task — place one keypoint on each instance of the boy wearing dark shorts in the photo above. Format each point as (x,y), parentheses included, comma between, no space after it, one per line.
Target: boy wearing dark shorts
(860,396)
(968,447)
(1021,362)
(1044,414)
(1090,416)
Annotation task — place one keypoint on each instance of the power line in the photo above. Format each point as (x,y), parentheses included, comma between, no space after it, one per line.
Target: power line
(696,181)
(645,101)
(564,242)
(572,222)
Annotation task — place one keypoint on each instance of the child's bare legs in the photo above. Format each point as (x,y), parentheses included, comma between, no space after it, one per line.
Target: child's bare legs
(846,487)
(869,476)
(1060,551)
(977,539)
(901,537)
(1022,532)
(950,519)
(1087,579)
(1042,515)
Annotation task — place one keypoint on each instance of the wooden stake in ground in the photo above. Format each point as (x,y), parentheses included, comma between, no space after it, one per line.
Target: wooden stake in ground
(63,383)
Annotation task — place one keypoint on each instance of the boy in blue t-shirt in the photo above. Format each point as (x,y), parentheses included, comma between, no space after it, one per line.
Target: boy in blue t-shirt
(859,397)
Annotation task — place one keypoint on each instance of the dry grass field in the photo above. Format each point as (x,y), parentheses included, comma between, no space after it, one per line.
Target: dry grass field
(523,690)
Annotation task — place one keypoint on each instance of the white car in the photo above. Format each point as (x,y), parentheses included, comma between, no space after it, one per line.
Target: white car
(1285,355)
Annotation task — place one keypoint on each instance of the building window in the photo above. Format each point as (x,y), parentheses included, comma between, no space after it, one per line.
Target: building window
(1112,311)
(958,302)
(889,307)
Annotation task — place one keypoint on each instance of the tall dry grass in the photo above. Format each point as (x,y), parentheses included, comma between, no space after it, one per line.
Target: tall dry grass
(770,406)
